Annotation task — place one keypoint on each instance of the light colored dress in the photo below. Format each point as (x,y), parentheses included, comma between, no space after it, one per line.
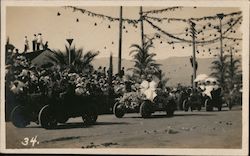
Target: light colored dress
(144,86)
(151,91)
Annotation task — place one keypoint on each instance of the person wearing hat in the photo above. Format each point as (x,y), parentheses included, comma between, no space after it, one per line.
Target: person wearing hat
(151,91)
(26,44)
(34,42)
(144,84)
(128,84)
(39,41)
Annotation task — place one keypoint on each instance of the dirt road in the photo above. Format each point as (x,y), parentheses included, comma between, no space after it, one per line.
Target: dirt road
(184,130)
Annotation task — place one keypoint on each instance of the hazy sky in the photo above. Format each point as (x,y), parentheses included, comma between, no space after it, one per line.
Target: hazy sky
(25,21)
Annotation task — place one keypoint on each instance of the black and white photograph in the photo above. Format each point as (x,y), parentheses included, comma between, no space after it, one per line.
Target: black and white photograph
(125,77)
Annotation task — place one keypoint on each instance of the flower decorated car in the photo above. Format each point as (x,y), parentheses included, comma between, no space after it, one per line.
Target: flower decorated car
(142,103)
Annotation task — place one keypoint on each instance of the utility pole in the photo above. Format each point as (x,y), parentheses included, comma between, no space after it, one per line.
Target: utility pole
(142,29)
(221,16)
(231,68)
(193,35)
(120,44)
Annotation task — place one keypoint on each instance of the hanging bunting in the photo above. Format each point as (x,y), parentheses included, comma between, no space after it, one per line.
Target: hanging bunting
(161,10)
(190,41)
(111,19)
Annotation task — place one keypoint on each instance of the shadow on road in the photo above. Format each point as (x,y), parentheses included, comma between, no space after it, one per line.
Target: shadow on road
(175,115)
(81,125)
(72,125)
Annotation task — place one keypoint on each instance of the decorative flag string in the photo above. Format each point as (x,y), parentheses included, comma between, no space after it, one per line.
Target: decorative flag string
(162,10)
(110,18)
(192,19)
(189,41)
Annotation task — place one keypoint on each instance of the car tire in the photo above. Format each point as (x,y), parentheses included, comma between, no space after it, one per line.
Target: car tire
(145,109)
(18,117)
(118,110)
(46,118)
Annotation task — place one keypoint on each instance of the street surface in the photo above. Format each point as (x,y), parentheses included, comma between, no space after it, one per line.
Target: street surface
(184,130)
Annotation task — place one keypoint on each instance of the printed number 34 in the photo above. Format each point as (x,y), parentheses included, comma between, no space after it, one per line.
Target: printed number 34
(26,141)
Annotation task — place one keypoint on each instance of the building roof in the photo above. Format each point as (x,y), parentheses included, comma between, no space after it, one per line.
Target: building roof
(41,57)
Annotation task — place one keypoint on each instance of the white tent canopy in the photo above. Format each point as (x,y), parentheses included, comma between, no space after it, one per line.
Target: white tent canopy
(201,77)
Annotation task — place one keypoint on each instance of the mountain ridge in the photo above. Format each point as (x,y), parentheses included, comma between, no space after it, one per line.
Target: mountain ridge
(177,69)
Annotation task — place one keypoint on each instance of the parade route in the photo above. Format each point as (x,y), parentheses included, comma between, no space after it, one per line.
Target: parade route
(184,130)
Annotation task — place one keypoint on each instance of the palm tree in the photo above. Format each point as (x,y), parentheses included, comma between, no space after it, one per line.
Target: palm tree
(219,68)
(144,61)
(233,72)
(80,62)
